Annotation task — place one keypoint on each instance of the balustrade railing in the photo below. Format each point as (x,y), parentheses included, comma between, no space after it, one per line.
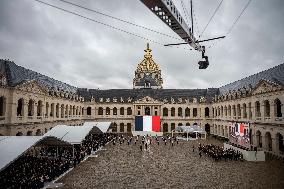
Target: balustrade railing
(20,117)
(267,118)
(258,118)
(278,118)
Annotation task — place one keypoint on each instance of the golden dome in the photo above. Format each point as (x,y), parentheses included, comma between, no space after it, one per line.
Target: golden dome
(148,64)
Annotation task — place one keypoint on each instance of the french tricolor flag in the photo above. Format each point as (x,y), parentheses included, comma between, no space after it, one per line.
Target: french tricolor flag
(147,123)
(242,127)
(239,129)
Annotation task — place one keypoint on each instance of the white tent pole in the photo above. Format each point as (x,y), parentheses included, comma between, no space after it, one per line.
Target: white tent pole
(187,137)
(73,152)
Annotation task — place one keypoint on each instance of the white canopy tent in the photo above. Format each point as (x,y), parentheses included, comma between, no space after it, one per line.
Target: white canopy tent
(76,134)
(101,126)
(191,129)
(71,134)
(12,147)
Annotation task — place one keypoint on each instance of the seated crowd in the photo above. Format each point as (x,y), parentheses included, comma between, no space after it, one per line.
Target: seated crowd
(219,153)
(31,172)
(35,168)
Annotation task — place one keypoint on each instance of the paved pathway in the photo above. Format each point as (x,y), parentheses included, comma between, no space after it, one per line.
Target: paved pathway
(123,166)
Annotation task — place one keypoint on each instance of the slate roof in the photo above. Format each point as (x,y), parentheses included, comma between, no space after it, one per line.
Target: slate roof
(274,75)
(16,75)
(159,94)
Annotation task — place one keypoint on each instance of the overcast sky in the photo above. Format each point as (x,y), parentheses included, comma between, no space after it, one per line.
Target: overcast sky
(86,54)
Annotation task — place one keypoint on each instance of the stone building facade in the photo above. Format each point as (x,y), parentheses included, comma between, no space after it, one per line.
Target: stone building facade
(31,104)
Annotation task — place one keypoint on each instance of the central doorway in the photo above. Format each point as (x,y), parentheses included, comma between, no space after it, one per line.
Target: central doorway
(147,111)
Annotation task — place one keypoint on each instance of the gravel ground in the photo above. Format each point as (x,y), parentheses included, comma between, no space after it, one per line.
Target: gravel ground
(123,166)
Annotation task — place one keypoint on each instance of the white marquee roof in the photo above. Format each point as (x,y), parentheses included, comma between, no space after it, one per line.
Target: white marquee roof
(102,126)
(12,147)
(190,129)
(76,134)
(71,134)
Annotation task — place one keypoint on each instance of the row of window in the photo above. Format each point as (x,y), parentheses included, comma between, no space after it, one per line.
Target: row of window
(180,112)
(220,130)
(40,132)
(267,139)
(51,109)
(30,133)
(244,111)
(114,111)
(121,129)
(235,110)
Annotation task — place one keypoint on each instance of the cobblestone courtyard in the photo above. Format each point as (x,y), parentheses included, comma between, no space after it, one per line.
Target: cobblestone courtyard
(123,166)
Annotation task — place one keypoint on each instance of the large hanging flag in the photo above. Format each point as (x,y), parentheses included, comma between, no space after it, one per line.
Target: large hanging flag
(242,127)
(147,123)
(239,129)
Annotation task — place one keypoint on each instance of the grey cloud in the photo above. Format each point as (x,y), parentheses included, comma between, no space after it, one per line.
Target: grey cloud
(86,54)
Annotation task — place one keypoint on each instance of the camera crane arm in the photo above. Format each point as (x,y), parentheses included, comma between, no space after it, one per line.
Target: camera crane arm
(168,13)
(198,41)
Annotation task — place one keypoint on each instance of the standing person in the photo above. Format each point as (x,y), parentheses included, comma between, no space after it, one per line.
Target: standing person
(172,143)
(158,142)
(146,145)
(200,155)
(193,148)
(141,148)
(177,140)
(165,142)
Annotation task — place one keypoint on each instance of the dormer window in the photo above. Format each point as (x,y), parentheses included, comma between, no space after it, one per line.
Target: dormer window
(147,84)
(3,80)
